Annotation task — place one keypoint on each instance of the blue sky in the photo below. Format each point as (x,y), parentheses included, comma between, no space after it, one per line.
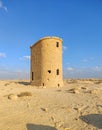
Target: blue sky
(77,22)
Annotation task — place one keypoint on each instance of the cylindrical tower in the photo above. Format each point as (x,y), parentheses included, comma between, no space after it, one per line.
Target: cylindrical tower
(46,62)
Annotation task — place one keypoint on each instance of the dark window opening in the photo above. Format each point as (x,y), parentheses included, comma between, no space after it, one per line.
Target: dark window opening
(32,76)
(58,85)
(57,72)
(43,84)
(57,44)
(49,71)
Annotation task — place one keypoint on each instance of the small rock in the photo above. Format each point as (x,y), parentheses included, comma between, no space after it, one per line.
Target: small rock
(74,90)
(94,91)
(78,109)
(58,124)
(76,119)
(12,97)
(69,109)
(44,87)
(53,118)
(23,94)
(44,109)
(66,128)
(83,88)
(28,105)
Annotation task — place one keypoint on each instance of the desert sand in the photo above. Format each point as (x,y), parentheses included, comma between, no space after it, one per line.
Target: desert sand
(75,106)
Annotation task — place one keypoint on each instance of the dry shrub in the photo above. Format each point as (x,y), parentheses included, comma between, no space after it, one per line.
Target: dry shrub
(90,79)
(7,84)
(98,82)
(71,81)
(23,94)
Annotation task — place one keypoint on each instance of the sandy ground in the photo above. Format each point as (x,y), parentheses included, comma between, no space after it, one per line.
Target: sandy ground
(76,106)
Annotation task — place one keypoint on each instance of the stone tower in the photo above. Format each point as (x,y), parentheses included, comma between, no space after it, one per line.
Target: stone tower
(46,62)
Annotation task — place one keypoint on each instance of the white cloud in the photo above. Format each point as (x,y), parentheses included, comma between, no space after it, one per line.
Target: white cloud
(3,7)
(70,69)
(25,58)
(64,47)
(2,55)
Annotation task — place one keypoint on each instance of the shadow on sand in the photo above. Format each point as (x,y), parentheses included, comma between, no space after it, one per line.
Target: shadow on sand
(39,127)
(93,119)
(25,83)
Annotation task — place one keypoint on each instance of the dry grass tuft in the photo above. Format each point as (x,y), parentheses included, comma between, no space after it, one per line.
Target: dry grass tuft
(23,94)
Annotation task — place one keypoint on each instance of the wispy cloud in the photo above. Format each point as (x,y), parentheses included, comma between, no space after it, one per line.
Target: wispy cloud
(14,74)
(2,55)
(7,72)
(25,58)
(90,59)
(85,60)
(2,6)
(70,69)
(64,47)
(92,72)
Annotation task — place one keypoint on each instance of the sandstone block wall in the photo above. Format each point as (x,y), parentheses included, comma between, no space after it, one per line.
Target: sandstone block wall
(46,62)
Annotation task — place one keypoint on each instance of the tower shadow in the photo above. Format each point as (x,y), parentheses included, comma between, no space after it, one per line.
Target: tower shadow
(39,127)
(24,83)
(93,119)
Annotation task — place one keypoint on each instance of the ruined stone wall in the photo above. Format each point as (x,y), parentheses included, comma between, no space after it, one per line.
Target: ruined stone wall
(46,62)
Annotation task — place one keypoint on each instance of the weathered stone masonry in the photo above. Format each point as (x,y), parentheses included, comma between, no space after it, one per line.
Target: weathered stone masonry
(46,62)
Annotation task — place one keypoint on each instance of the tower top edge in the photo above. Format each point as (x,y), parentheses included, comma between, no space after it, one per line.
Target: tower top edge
(47,37)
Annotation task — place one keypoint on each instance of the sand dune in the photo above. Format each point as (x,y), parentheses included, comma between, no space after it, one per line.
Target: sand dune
(76,106)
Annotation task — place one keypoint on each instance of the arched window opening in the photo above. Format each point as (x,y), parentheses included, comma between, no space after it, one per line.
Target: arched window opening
(49,71)
(57,44)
